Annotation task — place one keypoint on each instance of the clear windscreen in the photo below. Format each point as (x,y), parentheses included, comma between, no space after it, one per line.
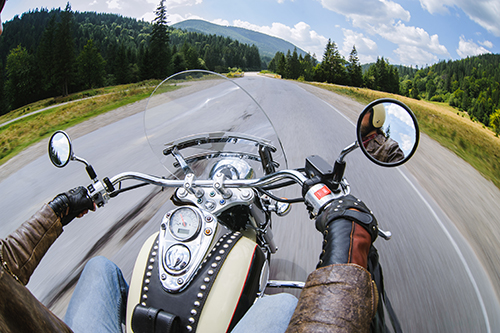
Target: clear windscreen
(195,119)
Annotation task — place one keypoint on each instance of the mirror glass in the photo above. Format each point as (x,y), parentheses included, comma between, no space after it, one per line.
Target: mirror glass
(388,132)
(60,149)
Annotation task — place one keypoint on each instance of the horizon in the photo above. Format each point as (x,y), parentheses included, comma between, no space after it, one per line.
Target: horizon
(418,33)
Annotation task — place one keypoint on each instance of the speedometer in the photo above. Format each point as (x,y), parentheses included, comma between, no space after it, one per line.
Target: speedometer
(184,223)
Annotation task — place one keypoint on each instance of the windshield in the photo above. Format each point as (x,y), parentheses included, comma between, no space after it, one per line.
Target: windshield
(198,120)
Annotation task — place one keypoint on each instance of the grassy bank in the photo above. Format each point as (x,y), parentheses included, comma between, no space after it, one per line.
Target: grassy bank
(453,129)
(20,134)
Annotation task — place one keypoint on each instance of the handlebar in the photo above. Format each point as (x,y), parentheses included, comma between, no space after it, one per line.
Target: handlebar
(294,175)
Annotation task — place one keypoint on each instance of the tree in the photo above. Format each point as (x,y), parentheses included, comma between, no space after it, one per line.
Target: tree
(354,69)
(430,88)
(293,65)
(178,62)
(159,49)
(46,58)
(64,51)
(192,58)
(332,68)
(495,121)
(20,87)
(281,67)
(91,66)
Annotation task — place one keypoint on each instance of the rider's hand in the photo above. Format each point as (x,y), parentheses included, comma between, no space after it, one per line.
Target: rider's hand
(349,228)
(74,203)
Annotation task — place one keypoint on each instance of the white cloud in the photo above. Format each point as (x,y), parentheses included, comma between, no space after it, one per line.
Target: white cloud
(411,55)
(368,13)
(468,48)
(178,3)
(221,22)
(487,44)
(483,12)
(300,35)
(384,18)
(113,4)
(407,142)
(403,35)
(367,49)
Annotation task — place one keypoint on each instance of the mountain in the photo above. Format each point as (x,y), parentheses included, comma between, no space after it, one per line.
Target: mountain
(267,45)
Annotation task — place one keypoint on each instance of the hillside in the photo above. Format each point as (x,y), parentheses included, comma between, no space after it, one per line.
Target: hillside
(51,53)
(471,84)
(267,45)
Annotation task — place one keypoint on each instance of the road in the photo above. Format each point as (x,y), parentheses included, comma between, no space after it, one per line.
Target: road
(431,274)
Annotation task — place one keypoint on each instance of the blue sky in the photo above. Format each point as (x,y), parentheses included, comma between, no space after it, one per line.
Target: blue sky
(408,32)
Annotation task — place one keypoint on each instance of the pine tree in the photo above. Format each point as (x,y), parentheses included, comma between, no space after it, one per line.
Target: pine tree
(332,68)
(159,49)
(20,87)
(46,58)
(64,51)
(91,66)
(293,65)
(354,69)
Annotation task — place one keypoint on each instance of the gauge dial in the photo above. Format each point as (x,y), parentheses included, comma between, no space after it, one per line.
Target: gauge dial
(184,223)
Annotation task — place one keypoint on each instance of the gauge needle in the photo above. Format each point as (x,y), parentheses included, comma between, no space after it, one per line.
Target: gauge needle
(183,222)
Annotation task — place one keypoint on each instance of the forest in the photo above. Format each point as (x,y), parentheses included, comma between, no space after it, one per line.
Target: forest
(334,68)
(52,53)
(471,85)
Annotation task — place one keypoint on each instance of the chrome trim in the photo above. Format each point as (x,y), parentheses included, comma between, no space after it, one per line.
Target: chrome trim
(198,247)
(353,146)
(285,284)
(215,137)
(294,175)
(232,168)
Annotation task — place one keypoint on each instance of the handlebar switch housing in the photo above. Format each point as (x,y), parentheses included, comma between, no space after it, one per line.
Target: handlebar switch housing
(318,197)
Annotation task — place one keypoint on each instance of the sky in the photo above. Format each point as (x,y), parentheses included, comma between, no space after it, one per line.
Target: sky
(406,32)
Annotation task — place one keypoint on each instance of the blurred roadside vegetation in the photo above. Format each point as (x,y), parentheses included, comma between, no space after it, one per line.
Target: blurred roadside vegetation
(20,134)
(453,129)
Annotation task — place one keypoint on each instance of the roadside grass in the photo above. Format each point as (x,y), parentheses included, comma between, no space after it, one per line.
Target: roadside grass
(20,134)
(453,129)
(35,106)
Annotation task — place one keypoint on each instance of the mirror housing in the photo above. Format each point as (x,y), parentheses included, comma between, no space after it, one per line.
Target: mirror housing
(60,149)
(61,152)
(387,132)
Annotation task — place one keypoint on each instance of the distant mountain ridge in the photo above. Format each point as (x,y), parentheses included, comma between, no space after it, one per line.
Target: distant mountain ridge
(267,45)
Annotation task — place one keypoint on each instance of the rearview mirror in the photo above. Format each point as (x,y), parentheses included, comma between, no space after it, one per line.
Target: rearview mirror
(388,132)
(60,149)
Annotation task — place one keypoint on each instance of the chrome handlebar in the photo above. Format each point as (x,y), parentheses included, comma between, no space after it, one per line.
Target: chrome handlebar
(294,175)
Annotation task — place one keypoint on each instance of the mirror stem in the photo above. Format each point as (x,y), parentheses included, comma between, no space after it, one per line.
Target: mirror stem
(347,150)
(338,171)
(88,167)
(339,167)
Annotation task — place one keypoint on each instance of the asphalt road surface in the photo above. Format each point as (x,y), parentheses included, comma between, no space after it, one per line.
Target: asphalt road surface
(431,274)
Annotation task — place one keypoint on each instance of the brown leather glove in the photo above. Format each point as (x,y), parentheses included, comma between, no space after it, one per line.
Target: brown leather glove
(71,204)
(349,228)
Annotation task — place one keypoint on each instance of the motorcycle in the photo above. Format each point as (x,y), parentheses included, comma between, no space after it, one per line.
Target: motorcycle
(209,261)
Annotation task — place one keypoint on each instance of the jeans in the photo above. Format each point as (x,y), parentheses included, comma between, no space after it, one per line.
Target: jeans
(99,301)
(270,314)
(99,304)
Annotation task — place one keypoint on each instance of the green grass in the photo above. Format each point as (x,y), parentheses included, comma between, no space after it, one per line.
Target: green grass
(20,134)
(453,129)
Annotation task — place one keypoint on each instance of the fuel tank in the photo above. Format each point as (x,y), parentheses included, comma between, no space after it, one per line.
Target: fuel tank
(233,274)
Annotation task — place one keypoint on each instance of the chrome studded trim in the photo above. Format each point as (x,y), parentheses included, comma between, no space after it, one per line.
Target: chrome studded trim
(195,294)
